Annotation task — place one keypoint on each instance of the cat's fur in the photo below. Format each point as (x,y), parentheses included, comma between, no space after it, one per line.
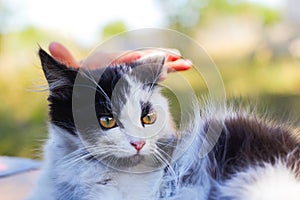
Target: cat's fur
(252,159)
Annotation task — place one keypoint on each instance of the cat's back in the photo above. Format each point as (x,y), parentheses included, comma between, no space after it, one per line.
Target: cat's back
(255,159)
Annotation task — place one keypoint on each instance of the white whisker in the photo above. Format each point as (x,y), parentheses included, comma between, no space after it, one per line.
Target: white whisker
(97,85)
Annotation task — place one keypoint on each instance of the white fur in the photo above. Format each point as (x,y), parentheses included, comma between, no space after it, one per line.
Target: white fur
(267,182)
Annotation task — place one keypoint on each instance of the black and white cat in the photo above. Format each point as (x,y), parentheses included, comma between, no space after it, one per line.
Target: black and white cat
(128,152)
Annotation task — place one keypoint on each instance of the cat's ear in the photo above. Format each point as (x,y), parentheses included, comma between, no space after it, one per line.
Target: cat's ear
(60,77)
(150,68)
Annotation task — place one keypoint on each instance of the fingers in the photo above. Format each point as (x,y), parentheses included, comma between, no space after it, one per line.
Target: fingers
(129,57)
(173,66)
(102,59)
(62,54)
(174,61)
(178,65)
(173,55)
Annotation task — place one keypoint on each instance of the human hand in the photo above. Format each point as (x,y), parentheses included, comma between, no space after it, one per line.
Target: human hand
(98,59)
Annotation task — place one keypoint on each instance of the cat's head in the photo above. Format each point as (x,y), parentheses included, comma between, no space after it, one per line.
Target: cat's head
(116,114)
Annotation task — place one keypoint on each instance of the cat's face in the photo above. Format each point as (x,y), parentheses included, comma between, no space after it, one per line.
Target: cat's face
(127,122)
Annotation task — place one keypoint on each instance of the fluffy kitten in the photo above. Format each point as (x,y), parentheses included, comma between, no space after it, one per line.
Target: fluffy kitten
(133,152)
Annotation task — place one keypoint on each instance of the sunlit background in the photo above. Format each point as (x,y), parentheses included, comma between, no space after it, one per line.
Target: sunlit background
(254,43)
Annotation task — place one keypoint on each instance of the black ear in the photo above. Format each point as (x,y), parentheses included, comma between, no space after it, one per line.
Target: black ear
(60,77)
(149,68)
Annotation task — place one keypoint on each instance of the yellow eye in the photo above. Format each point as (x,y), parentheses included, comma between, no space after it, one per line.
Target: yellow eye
(149,118)
(107,122)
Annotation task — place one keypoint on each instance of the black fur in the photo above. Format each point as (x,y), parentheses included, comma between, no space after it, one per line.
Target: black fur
(60,79)
(249,141)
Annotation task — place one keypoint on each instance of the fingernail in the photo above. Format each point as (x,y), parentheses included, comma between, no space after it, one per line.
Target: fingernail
(189,62)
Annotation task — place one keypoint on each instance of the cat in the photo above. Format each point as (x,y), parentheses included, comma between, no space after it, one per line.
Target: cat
(120,142)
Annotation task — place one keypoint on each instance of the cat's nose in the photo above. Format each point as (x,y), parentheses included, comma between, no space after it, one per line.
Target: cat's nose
(138,145)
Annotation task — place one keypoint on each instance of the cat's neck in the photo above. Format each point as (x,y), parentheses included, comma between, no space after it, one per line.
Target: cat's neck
(139,186)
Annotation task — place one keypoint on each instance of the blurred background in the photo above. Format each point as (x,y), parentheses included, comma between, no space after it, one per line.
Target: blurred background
(254,43)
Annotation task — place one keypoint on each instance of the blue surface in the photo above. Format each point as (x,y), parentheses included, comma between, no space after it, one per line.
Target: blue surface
(13,165)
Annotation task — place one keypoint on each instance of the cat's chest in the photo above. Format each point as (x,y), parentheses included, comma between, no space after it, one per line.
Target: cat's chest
(134,186)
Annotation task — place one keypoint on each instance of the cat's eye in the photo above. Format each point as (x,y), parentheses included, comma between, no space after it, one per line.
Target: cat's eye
(149,118)
(107,122)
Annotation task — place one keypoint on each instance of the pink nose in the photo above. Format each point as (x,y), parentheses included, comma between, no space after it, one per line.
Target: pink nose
(138,145)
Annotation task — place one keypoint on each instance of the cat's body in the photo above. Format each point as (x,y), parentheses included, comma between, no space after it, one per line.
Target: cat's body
(252,159)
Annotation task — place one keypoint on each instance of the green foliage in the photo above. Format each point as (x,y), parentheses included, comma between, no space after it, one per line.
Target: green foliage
(217,8)
(270,16)
(22,137)
(184,15)
(23,107)
(113,28)
(22,119)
